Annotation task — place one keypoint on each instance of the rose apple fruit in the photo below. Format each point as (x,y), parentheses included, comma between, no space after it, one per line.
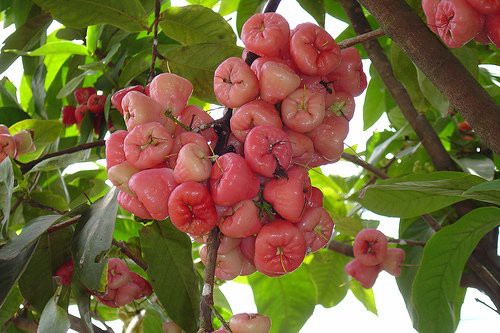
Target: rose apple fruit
(265,34)
(370,247)
(235,83)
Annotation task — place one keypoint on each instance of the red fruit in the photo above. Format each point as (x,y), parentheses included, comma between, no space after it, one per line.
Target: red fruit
(80,112)
(145,288)
(114,148)
(242,221)
(65,272)
(319,84)
(117,97)
(192,209)
(276,81)
(126,294)
(132,204)
(430,8)
(313,50)
(370,247)
(235,83)
(228,265)
(464,126)
(342,105)
(492,27)
(233,145)
(486,7)
(265,34)
(392,263)
(302,147)
(280,248)
(193,164)
(247,267)
(289,196)
(98,119)
(171,92)
(268,151)
(118,273)
(349,76)
(249,323)
(7,146)
(68,115)
(95,103)
(194,117)
(303,110)
(316,199)
(317,226)
(252,114)
(140,109)
(83,94)
(366,275)
(153,187)
(457,22)
(247,248)
(232,181)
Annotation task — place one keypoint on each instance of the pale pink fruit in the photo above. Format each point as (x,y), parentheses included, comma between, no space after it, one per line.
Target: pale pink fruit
(114,148)
(302,147)
(145,288)
(254,113)
(194,117)
(247,267)
(227,244)
(153,187)
(343,105)
(193,164)
(139,109)
(366,275)
(120,175)
(148,145)
(319,84)
(117,97)
(250,323)
(277,81)
(126,294)
(430,8)
(183,139)
(256,66)
(317,226)
(235,83)
(118,273)
(242,221)
(392,263)
(370,247)
(228,265)
(247,248)
(4,129)
(132,204)
(265,34)
(24,142)
(349,76)
(328,137)
(171,91)
(7,146)
(303,110)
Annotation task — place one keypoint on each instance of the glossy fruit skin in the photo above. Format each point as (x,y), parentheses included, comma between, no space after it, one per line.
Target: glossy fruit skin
(303,110)
(139,109)
(268,150)
(65,272)
(349,76)
(83,94)
(280,248)
(328,137)
(366,275)
(464,126)
(247,248)
(370,247)
(492,27)
(317,226)
(132,204)
(183,139)
(192,209)
(153,187)
(171,91)
(143,284)
(313,50)
(148,145)
(486,7)
(252,114)
(120,175)
(118,273)
(4,129)
(114,148)
(392,263)
(193,164)
(265,34)
(228,265)
(242,221)
(68,115)
(343,105)
(430,8)
(235,83)
(195,117)
(232,181)
(80,112)
(95,103)
(289,196)
(316,198)
(249,323)
(277,81)
(117,97)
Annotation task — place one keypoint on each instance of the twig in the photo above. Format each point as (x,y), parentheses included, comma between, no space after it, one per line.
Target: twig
(483,303)
(154,48)
(356,160)
(126,251)
(221,319)
(35,204)
(341,248)
(361,38)
(408,242)
(64,224)
(170,116)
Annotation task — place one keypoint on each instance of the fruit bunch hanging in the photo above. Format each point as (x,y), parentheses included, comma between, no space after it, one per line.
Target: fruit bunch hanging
(90,104)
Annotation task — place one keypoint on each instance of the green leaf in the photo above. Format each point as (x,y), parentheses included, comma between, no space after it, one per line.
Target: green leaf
(6,187)
(348,225)
(228,6)
(73,84)
(438,278)
(8,92)
(432,94)
(327,273)
(128,15)
(416,194)
(196,24)
(167,251)
(380,149)
(334,9)
(487,191)
(54,319)
(197,63)
(92,240)
(316,8)
(83,302)
(289,300)
(374,106)
(10,115)
(365,296)
(10,306)
(92,37)
(138,64)
(247,8)
(61,47)
(477,164)
(59,162)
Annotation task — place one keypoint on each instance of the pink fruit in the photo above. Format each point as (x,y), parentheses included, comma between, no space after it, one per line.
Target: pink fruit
(24,142)
(118,273)
(235,83)
(276,81)
(183,139)
(145,288)
(280,248)
(349,76)
(114,148)
(486,7)
(228,265)
(68,115)
(247,248)
(65,272)
(80,113)
(317,226)
(256,66)
(193,164)
(227,244)
(430,8)
(370,247)
(148,145)
(132,204)
(302,147)
(265,34)
(194,117)
(153,187)
(242,221)
(366,275)
(328,137)
(120,175)
(232,181)
(140,109)
(171,92)
(492,27)
(457,22)
(7,146)
(342,105)
(316,199)
(313,50)
(254,113)
(117,97)
(268,151)
(319,84)
(303,110)
(250,323)
(83,94)
(126,294)
(192,209)
(392,263)
(4,129)
(289,196)
(233,145)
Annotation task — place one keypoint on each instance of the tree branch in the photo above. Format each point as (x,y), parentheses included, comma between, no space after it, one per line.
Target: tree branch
(342,248)
(154,48)
(126,251)
(356,160)
(64,224)
(374,34)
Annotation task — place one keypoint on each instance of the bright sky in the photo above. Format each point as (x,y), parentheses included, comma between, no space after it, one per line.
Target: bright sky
(349,315)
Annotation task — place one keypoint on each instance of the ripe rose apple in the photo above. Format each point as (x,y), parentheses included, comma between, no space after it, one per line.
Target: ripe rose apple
(114,148)
(317,226)
(148,145)
(366,275)
(192,209)
(343,105)
(313,50)
(252,114)
(7,146)
(194,117)
(95,103)
(24,142)
(83,94)
(492,27)
(171,92)
(303,110)
(132,204)
(302,147)
(316,199)
(328,137)
(268,151)
(118,273)
(486,7)
(153,187)
(430,8)
(349,76)
(126,294)
(233,145)
(249,323)
(242,221)
(276,81)
(280,248)
(193,164)
(319,84)
(140,109)
(120,175)
(235,83)
(256,66)
(68,115)
(183,139)
(4,129)
(265,34)
(117,97)
(228,265)
(80,113)
(392,263)
(144,286)
(370,247)
(247,248)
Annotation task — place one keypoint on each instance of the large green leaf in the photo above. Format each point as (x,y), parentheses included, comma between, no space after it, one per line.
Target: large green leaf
(128,15)
(432,94)
(438,279)
(417,194)
(348,225)
(197,63)
(54,319)
(487,191)
(381,148)
(139,63)
(374,106)
(316,8)
(10,306)
(327,273)
(60,47)
(289,300)
(247,8)
(6,186)
(477,164)
(167,251)
(92,240)
(365,296)
(59,162)
(196,24)
(10,115)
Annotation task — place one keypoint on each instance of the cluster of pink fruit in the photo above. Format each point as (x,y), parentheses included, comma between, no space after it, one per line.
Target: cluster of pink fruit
(15,145)
(123,285)
(371,256)
(89,102)
(239,323)
(459,21)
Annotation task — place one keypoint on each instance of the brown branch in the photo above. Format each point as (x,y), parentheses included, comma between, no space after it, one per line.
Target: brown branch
(408,242)
(35,204)
(442,68)
(361,38)
(154,48)
(126,251)
(368,167)
(64,224)
(489,307)
(342,248)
